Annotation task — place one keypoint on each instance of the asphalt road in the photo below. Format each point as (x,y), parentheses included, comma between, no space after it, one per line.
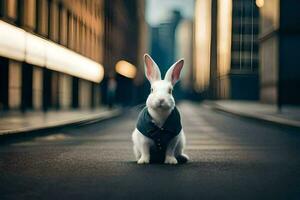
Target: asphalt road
(231,158)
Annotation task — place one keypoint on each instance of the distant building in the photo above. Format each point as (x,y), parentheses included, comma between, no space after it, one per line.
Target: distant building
(226,49)
(279,42)
(50,54)
(125,40)
(163,41)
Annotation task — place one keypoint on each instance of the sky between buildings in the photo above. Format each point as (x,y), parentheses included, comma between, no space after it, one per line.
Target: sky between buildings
(157,11)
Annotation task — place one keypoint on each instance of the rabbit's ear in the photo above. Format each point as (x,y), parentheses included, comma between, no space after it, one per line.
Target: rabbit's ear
(152,71)
(173,73)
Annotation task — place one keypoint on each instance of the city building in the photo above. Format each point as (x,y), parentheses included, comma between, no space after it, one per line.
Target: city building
(279,42)
(163,41)
(50,54)
(226,49)
(125,43)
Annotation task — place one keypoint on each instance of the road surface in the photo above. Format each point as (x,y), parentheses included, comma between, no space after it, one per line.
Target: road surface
(231,158)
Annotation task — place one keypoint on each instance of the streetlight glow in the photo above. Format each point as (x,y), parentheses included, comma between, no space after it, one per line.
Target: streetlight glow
(260,3)
(126,69)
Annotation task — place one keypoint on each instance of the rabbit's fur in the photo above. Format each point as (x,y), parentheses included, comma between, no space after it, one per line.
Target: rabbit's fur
(160,104)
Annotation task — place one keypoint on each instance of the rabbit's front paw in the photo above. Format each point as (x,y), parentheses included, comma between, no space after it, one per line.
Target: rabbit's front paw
(143,160)
(170,160)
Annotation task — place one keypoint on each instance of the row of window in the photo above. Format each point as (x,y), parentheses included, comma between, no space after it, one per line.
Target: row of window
(53,20)
(244,48)
(245,45)
(245,29)
(25,86)
(242,8)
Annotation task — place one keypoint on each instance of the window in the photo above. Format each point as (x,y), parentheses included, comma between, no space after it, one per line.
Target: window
(70,31)
(62,25)
(29,14)
(42,17)
(8,9)
(12,9)
(53,31)
(82,39)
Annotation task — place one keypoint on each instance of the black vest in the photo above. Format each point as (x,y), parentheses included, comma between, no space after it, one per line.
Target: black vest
(161,136)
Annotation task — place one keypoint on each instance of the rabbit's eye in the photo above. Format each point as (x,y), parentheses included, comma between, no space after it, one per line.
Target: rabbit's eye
(170,91)
(151,90)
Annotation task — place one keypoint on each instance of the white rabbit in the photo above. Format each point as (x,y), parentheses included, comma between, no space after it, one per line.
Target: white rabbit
(160,109)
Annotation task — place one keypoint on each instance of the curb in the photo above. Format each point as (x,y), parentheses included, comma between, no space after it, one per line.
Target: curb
(263,118)
(88,120)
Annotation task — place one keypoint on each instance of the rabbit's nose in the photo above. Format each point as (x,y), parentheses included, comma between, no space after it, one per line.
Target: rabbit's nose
(161,101)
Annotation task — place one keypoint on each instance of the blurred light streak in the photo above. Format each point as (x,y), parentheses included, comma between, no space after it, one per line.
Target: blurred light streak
(126,69)
(35,50)
(62,59)
(224,36)
(15,43)
(184,49)
(12,41)
(260,3)
(202,43)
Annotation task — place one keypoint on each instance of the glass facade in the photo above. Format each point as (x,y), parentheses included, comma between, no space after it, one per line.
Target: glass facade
(227,65)
(244,36)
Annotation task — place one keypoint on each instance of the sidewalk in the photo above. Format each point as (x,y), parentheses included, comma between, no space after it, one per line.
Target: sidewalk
(13,123)
(289,116)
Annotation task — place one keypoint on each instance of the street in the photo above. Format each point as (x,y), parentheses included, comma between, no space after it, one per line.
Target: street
(231,158)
